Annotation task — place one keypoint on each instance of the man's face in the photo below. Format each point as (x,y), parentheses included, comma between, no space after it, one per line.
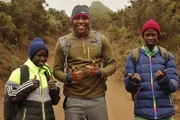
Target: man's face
(81,24)
(150,37)
(40,58)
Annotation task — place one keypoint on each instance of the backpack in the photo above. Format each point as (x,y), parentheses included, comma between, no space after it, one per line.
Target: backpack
(65,47)
(10,109)
(135,59)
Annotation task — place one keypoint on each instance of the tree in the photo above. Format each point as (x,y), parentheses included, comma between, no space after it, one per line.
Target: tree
(6,26)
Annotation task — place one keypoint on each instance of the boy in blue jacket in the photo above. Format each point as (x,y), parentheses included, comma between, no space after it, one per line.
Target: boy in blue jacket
(152,79)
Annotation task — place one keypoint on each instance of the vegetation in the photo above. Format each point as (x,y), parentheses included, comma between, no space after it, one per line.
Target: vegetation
(99,15)
(22,20)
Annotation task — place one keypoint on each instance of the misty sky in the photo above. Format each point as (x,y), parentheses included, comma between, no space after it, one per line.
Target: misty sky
(68,5)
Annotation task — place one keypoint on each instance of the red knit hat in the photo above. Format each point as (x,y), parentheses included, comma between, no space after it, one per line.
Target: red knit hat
(151,24)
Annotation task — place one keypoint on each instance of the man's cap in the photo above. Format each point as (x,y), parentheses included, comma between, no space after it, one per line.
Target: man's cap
(80,10)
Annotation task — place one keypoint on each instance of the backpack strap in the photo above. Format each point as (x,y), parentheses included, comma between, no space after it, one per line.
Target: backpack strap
(65,47)
(97,38)
(63,44)
(24,70)
(135,55)
(164,53)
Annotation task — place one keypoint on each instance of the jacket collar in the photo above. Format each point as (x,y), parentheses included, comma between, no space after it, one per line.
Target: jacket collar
(34,68)
(150,53)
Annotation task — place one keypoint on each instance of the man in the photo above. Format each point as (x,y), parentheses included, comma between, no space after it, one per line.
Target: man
(84,86)
(35,97)
(152,79)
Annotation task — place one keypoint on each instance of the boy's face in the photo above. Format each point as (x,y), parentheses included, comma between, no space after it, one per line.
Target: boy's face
(40,58)
(150,37)
(81,24)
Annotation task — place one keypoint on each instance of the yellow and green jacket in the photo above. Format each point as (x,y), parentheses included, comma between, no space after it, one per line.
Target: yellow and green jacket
(36,104)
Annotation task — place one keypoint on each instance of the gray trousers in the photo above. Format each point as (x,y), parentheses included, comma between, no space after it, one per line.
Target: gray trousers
(85,109)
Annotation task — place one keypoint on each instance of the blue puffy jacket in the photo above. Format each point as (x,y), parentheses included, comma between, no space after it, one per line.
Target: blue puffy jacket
(152,98)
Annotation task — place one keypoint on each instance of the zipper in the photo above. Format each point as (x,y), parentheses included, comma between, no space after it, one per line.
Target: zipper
(88,53)
(152,89)
(42,95)
(24,114)
(135,96)
(84,47)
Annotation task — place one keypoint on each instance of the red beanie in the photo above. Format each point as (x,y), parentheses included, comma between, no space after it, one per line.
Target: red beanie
(151,24)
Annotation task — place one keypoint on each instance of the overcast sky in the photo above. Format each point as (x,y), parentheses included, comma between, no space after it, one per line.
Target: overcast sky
(68,5)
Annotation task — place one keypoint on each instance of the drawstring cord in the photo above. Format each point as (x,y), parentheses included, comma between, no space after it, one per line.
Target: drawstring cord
(88,53)
(84,47)
(84,50)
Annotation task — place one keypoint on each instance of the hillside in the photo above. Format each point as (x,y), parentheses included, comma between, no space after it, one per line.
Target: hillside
(99,15)
(97,8)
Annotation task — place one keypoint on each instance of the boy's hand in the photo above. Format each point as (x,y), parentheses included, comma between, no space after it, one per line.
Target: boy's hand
(36,82)
(136,78)
(52,85)
(160,74)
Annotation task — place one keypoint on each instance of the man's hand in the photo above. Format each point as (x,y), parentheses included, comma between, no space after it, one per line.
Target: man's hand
(160,74)
(92,70)
(76,74)
(136,78)
(36,82)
